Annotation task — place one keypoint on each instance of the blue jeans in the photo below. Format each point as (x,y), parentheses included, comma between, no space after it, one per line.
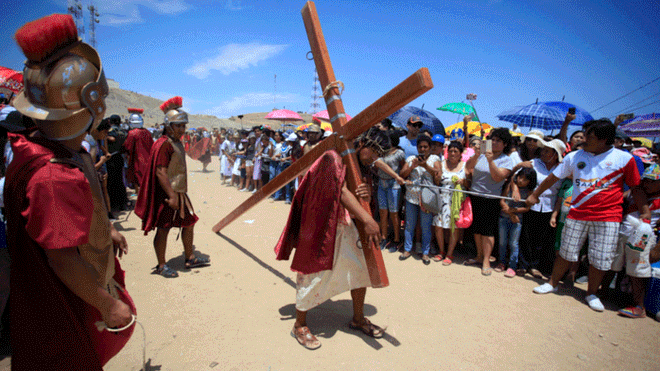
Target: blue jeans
(426,220)
(274,171)
(388,195)
(509,235)
(288,189)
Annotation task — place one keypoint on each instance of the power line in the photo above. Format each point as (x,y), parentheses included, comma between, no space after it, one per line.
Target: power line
(657,101)
(634,104)
(625,95)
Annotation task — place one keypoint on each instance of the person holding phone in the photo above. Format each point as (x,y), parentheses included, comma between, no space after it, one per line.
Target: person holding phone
(489,169)
(422,168)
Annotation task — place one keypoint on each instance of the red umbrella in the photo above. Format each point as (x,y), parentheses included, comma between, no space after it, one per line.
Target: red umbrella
(323,115)
(10,81)
(283,115)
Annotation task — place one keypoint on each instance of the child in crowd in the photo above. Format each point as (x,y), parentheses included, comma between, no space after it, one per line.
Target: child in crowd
(509,221)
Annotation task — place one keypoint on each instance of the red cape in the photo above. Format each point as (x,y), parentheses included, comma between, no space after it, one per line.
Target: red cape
(138,145)
(151,194)
(316,209)
(50,324)
(199,148)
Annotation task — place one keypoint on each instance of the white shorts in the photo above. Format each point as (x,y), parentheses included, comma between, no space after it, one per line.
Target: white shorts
(603,237)
(637,262)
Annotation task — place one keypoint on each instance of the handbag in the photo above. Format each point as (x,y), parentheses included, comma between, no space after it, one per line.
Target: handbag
(429,198)
(465,216)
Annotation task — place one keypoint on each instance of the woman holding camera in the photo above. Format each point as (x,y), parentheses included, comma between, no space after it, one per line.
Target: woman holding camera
(424,167)
(490,168)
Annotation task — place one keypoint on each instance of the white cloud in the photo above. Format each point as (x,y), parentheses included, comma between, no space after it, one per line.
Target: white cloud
(235,57)
(122,12)
(235,105)
(233,5)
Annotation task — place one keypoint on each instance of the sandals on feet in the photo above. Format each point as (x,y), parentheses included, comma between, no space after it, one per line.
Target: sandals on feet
(165,271)
(448,260)
(305,338)
(405,255)
(437,258)
(486,271)
(471,262)
(197,262)
(368,328)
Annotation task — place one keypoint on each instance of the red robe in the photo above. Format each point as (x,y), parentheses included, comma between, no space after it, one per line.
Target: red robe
(138,146)
(49,206)
(151,206)
(316,209)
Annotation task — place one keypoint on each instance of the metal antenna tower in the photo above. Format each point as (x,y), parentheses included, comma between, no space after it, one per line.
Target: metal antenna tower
(274,91)
(316,88)
(75,9)
(93,20)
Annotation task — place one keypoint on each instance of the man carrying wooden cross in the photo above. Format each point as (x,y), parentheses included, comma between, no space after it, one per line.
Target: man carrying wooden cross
(328,256)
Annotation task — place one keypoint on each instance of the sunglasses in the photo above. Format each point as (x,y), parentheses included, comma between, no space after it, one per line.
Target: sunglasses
(531,140)
(416,124)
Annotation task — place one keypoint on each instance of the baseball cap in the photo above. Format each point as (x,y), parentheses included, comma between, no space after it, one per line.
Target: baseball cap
(438,138)
(292,137)
(415,120)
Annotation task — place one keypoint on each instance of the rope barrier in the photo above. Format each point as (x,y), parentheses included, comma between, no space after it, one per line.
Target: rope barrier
(442,189)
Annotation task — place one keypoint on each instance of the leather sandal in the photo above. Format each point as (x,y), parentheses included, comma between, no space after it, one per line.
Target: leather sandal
(165,271)
(368,328)
(305,338)
(197,262)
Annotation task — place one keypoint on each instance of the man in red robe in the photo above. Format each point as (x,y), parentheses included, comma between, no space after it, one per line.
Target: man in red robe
(327,259)
(65,278)
(163,201)
(138,147)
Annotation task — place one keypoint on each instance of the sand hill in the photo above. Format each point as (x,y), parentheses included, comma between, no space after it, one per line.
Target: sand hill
(119,100)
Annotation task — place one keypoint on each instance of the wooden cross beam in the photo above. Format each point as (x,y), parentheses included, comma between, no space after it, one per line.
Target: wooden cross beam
(343,135)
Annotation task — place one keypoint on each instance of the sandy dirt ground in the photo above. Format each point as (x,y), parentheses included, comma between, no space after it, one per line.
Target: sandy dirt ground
(237,313)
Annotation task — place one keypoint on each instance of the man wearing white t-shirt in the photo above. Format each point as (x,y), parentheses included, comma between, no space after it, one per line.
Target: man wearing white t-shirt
(599,172)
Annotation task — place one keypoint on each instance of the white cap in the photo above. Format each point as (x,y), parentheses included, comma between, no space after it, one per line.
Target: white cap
(534,134)
(292,137)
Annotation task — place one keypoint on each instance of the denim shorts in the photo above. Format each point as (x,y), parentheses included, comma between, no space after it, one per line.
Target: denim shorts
(388,195)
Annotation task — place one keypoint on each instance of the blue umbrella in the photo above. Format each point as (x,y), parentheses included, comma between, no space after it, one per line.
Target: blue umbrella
(534,116)
(581,115)
(642,126)
(429,121)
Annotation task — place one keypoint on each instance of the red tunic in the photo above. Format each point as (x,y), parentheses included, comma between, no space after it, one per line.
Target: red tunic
(138,145)
(151,206)
(49,206)
(316,209)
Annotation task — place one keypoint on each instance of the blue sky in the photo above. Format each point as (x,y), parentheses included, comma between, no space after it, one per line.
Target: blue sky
(222,56)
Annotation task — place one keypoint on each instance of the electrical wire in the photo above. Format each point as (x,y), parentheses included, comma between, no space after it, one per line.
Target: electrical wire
(627,94)
(634,104)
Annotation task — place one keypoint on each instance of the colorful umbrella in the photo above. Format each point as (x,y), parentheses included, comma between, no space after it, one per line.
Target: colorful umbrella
(642,126)
(473,127)
(460,108)
(283,115)
(324,116)
(11,82)
(646,142)
(534,116)
(429,121)
(201,128)
(303,127)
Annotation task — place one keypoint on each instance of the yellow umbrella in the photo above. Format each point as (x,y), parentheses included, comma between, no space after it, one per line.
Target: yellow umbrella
(326,126)
(473,127)
(487,131)
(303,127)
(646,142)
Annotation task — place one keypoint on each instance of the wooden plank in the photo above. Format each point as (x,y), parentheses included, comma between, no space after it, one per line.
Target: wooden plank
(296,168)
(408,90)
(331,94)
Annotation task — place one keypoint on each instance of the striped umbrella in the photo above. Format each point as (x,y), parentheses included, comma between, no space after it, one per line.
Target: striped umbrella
(643,126)
(534,116)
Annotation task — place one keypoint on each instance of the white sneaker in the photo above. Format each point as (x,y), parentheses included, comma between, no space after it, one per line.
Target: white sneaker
(546,288)
(594,303)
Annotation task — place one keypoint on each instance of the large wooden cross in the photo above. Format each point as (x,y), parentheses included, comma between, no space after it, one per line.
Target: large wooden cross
(342,137)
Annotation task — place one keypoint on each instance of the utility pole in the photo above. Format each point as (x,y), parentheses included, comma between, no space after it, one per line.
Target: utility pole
(75,9)
(93,20)
(316,88)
